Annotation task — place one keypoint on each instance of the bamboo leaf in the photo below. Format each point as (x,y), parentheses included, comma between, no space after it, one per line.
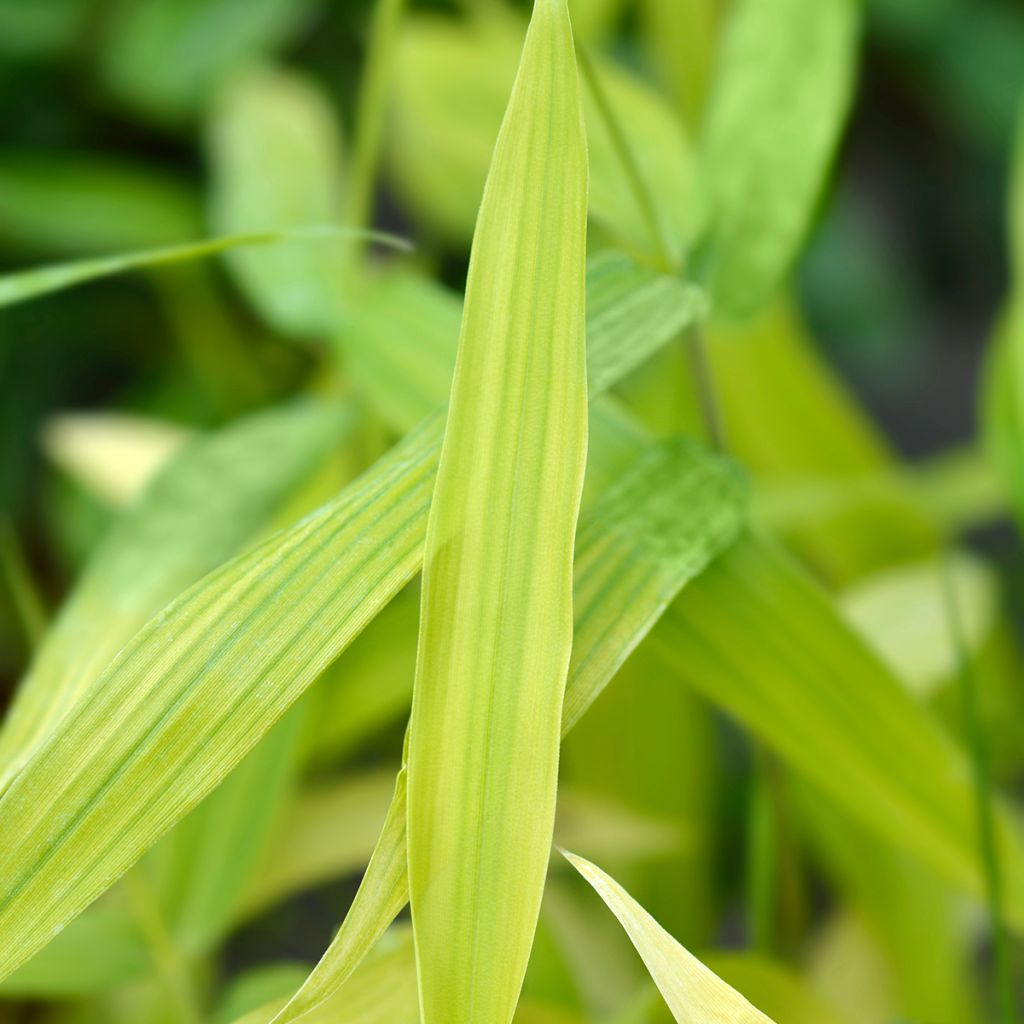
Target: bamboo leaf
(218,494)
(782,87)
(133,759)
(496,607)
(30,284)
(694,993)
(755,635)
(444,132)
(642,542)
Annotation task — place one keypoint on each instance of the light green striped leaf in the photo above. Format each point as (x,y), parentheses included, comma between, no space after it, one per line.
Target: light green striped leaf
(219,493)
(496,605)
(233,625)
(694,993)
(30,284)
(782,87)
(276,160)
(647,538)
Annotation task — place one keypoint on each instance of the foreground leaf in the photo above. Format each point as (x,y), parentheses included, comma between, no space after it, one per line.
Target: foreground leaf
(694,993)
(127,766)
(496,608)
(637,547)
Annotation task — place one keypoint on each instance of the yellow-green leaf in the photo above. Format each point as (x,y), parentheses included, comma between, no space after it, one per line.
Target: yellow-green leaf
(496,608)
(694,993)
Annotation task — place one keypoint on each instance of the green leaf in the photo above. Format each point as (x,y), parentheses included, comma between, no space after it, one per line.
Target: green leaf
(216,496)
(694,994)
(643,541)
(80,204)
(755,635)
(30,284)
(782,87)
(275,152)
(165,57)
(496,607)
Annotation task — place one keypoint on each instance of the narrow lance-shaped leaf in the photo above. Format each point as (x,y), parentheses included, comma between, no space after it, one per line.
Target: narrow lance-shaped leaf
(654,530)
(133,759)
(30,284)
(693,992)
(496,610)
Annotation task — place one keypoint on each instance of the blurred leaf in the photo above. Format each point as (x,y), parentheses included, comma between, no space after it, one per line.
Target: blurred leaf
(770,385)
(694,994)
(215,497)
(681,37)
(113,455)
(258,987)
(783,994)
(98,952)
(164,58)
(275,151)
(903,615)
(756,636)
(327,830)
(80,203)
(382,990)
(401,340)
(782,87)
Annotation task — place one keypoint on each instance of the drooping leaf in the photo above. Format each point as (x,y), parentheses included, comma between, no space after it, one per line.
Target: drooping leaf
(694,993)
(30,284)
(782,87)
(496,605)
(757,636)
